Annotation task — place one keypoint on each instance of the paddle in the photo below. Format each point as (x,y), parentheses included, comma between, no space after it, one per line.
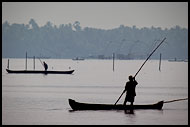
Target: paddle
(149,57)
(41,62)
(142,66)
(119,97)
(176,100)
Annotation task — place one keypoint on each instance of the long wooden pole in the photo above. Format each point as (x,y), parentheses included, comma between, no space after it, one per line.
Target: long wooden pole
(34,62)
(113,60)
(160,62)
(175,100)
(8,64)
(26,60)
(119,97)
(41,61)
(149,57)
(142,66)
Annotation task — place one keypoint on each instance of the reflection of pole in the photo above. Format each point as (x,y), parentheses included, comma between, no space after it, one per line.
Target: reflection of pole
(160,62)
(26,60)
(113,60)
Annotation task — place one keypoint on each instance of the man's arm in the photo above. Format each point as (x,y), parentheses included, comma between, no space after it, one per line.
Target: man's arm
(125,87)
(135,81)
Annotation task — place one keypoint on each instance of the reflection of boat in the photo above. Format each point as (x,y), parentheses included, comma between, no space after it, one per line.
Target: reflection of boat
(86,106)
(77,58)
(39,72)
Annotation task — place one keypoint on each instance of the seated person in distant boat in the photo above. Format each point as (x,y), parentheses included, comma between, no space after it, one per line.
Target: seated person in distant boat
(45,66)
(130,90)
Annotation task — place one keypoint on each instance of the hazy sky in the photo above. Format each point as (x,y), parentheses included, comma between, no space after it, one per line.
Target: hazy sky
(105,15)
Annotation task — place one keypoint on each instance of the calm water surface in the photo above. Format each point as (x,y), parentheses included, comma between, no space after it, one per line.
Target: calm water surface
(32,99)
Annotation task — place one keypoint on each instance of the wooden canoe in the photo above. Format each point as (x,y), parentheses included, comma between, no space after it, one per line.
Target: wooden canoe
(39,72)
(86,106)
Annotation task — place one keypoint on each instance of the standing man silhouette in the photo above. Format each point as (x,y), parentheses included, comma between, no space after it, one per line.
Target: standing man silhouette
(45,66)
(130,90)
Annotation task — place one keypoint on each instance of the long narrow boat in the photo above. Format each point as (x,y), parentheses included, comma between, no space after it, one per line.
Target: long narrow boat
(39,72)
(86,106)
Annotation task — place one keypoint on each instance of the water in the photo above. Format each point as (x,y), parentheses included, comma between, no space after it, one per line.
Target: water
(31,99)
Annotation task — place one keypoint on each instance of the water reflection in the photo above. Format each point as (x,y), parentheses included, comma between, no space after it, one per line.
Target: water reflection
(131,111)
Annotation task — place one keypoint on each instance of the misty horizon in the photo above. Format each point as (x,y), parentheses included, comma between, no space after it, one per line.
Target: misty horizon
(101,15)
(71,40)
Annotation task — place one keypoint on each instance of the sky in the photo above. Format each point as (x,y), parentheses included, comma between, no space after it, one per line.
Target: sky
(104,15)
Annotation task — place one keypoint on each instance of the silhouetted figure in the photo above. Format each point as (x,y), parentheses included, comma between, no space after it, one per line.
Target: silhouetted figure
(45,66)
(130,90)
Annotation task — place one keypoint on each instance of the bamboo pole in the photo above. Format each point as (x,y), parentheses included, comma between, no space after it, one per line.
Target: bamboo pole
(142,66)
(119,97)
(175,100)
(8,64)
(34,62)
(149,57)
(160,62)
(26,61)
(113,60)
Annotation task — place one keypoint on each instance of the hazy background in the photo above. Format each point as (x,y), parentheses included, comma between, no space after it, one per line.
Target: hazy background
(94,29)
(105,15)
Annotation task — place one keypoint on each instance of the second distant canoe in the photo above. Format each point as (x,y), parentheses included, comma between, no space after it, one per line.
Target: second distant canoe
(39,72)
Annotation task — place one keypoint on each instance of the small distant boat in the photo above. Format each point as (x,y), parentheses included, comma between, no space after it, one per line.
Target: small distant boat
(39,72)
(186,60)
(36,71)
(86,106)
(77,58)
(176,60)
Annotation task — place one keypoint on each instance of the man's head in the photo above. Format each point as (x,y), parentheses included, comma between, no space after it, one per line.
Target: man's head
(131,78)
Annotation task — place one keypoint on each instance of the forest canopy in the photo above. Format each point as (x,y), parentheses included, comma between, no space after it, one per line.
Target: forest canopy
(71,40)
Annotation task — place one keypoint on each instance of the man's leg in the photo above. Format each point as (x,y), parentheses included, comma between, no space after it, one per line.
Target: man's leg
(125,100)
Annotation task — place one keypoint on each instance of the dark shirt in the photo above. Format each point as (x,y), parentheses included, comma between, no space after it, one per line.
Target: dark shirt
(130,88)
(45,66)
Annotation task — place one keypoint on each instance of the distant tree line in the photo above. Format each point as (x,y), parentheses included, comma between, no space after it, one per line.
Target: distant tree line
(71,40)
